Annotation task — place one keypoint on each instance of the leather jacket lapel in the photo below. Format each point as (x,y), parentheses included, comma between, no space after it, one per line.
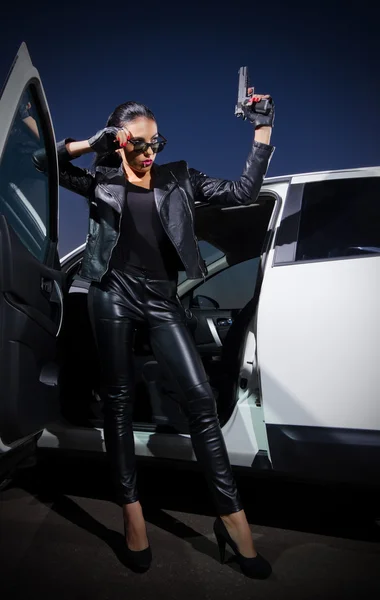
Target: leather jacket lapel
(111,184)
(164,183)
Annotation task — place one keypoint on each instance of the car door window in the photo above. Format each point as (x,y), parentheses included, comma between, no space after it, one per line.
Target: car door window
(24,191)
(209,254)
(231,288)
(339,218)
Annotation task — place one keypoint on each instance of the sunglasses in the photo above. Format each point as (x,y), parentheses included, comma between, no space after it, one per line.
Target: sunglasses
(141,146)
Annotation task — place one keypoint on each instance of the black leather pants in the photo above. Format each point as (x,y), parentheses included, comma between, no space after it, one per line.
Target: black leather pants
(116,306)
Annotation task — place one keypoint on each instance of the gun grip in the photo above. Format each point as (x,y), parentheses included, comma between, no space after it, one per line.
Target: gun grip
(263,107)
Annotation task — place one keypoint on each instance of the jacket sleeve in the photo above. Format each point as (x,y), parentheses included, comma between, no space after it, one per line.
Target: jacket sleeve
(71,177)
(232,193)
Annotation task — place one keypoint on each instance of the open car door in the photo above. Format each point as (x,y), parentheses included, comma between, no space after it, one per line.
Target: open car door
(238,232)
(31,300)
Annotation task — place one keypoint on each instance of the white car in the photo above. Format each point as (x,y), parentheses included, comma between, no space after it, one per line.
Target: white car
(287,321)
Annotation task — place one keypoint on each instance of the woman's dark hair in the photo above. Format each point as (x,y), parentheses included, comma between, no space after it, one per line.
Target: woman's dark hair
(124,113)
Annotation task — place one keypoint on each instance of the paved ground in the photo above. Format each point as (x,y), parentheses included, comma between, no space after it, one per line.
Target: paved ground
(59,528)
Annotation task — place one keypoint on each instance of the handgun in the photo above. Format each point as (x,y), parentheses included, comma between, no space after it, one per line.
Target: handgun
(244,99)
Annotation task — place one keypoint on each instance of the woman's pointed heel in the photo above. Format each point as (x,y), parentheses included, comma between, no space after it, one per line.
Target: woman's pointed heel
(137,560)
(256,568)
(221,545)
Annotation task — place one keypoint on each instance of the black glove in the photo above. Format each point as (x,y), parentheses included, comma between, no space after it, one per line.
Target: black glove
(258,119)
(103,142)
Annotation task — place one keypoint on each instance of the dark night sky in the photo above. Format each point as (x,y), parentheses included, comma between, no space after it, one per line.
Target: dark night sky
(320,62)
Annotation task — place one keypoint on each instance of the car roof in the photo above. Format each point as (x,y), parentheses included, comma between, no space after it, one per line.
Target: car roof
(312,174)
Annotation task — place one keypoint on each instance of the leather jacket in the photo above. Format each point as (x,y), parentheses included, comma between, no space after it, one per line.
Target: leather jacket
(177,188)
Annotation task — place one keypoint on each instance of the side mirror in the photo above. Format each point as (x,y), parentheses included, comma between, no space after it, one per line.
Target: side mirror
(204,302)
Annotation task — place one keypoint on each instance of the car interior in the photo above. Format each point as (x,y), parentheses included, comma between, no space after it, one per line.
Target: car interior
(218,313)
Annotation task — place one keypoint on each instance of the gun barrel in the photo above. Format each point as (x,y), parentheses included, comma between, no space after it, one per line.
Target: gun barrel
(242,90)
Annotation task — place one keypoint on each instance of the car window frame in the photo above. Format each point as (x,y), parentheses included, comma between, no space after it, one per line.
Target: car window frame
(287,238)
(34,89)
(189,295)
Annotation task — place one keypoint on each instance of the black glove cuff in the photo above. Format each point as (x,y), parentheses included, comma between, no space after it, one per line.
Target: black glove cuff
(62,153)
(94,138)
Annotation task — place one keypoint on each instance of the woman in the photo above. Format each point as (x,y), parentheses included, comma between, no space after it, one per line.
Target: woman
(141,232)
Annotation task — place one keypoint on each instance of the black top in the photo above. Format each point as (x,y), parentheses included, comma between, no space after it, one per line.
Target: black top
(143,245)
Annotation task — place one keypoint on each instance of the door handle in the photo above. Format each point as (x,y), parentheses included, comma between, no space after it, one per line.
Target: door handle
(47,285)
(226,322)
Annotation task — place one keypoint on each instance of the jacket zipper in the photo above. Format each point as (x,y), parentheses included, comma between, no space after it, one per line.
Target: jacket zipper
(194,236)
(119,231)
(167,233)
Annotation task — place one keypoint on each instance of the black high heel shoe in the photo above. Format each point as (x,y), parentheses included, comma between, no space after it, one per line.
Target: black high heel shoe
(136,560)
(256,568)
